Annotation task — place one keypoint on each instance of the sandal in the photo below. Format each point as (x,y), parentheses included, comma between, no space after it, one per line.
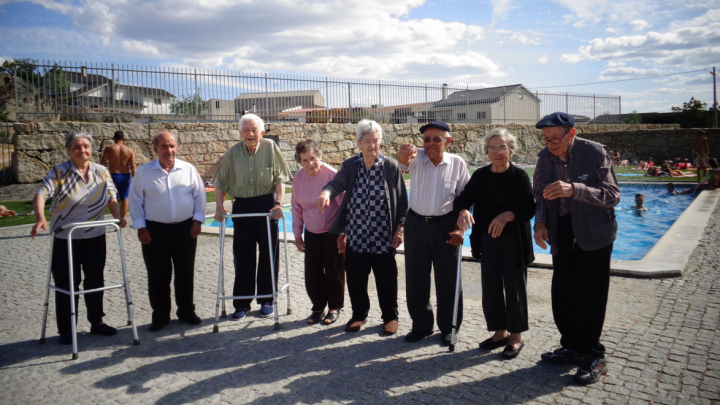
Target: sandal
(354,325)
(331,317)
(315,317)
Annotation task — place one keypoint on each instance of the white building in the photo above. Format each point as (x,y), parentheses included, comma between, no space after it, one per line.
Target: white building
(494,105)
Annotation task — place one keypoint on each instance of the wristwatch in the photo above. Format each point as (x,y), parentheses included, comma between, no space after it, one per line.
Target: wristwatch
(278,203)
(401,231)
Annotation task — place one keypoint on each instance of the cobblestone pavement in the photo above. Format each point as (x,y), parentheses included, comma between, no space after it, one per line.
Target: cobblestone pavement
(661,336)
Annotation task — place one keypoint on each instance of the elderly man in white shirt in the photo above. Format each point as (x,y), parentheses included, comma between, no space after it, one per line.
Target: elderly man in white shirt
(431,237)
(167,205)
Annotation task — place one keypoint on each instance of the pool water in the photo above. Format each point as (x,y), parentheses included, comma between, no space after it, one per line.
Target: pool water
(637,232)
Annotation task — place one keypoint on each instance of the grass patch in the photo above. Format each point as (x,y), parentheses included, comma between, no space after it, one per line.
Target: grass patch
(19,207)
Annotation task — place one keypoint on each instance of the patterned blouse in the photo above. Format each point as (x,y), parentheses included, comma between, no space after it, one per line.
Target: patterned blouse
(368,213)
(73,200)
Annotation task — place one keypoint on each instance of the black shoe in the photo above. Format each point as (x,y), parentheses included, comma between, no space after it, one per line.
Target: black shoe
(157,325)
(511,352)
(192,319)
(446,340)
(591,370)
(416,337)
(65,339)
(103,329)
(490,344)
(562,356)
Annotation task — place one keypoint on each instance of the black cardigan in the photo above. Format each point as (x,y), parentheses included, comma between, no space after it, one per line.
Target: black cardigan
(494,193)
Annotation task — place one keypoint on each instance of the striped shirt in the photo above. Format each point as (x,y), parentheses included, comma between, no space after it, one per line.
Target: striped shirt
(74,200)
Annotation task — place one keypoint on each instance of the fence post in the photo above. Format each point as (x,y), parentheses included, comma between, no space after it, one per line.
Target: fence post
(594,112)
(327,101)
(349,103)
(197,105)
(567,108)
(380,101)
(267,100)
(17,102)
(620,105)
(112,87)
(467,103)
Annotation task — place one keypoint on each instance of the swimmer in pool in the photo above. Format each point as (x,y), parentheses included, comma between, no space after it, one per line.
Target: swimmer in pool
(639,200)
(672,190)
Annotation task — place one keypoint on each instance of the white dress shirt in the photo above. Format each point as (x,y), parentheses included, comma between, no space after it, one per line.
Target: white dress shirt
(433,188)
(167,197)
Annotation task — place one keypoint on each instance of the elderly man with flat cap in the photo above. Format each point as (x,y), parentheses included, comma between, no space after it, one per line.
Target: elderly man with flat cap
(575,189)
(431,241)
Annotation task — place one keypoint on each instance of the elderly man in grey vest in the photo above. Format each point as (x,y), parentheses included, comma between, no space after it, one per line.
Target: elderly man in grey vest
(575,189)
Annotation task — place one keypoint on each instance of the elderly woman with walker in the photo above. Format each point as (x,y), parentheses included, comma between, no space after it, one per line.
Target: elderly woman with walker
(503,206)
(80,191)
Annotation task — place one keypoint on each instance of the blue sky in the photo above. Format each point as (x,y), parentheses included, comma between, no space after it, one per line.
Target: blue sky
(459,42)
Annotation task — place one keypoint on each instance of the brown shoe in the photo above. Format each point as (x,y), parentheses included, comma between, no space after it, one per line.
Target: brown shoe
(391,327)
(354,325)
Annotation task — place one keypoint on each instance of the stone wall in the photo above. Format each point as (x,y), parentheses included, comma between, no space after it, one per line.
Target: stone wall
(40,145)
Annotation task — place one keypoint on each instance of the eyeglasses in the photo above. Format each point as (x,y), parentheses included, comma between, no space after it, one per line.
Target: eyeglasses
(496,149)
(553,141)
(435,139)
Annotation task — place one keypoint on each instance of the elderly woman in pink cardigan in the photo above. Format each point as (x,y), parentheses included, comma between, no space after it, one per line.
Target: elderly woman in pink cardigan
(324,266)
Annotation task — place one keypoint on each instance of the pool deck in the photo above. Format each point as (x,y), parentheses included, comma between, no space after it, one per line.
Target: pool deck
(662,338)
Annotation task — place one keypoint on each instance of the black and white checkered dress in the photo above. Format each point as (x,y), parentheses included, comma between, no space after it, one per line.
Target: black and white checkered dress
(368,213)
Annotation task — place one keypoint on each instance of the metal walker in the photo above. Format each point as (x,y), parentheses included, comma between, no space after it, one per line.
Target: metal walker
(221,276)
(131,315)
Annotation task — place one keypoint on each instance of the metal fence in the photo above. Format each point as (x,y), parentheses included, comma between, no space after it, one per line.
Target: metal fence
(6,150)
(53,90)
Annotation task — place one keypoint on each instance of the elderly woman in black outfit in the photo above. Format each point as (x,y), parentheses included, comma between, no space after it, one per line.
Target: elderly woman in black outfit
(503,206)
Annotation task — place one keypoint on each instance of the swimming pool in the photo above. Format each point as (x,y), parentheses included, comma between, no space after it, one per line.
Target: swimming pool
(637,232)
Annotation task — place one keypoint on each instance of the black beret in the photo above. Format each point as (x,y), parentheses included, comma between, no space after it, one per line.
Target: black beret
(435,124)
(558,119)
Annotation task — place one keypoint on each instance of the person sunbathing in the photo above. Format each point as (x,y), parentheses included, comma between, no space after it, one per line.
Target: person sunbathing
(4,212)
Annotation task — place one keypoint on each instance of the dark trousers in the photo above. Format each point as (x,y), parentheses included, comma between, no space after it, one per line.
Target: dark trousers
(171,246)
(426,248)
(384,267)
(251,234)
(88,254)
(504,284)
(580,284)
(324,271)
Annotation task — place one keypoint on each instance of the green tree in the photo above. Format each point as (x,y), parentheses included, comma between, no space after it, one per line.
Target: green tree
(26,70)
(188,104)
(693,114)
(55,80)
(632,118)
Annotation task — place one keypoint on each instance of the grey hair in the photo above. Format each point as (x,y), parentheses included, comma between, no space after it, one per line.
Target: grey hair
(72,136)
(367,127)
(157,136)
(251,117)
(509,138)
(305,146)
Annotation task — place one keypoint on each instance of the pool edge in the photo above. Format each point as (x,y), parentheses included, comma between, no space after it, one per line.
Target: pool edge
(668,258)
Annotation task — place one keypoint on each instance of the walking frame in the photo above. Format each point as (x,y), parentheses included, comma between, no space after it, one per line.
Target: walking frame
(73,314)
(458,278)
(221,276)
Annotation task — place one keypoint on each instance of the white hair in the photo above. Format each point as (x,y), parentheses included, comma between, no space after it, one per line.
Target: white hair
(72,136)
(367,127)
(510,140)
(251,117)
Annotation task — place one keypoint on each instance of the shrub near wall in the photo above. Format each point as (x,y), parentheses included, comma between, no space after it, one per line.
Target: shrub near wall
(39,146)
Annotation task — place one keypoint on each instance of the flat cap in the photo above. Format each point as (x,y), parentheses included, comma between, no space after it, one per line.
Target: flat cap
(558,119)
(435,124)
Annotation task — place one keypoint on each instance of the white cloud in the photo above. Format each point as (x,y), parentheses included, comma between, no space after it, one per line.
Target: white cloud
(543,59)
(500,8)
(628,73)
(685,44)
(142,48)
(639,25)
(615,64)
(611,30)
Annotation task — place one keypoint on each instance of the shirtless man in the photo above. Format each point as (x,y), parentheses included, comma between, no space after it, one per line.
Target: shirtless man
(700,153)
(121,163)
